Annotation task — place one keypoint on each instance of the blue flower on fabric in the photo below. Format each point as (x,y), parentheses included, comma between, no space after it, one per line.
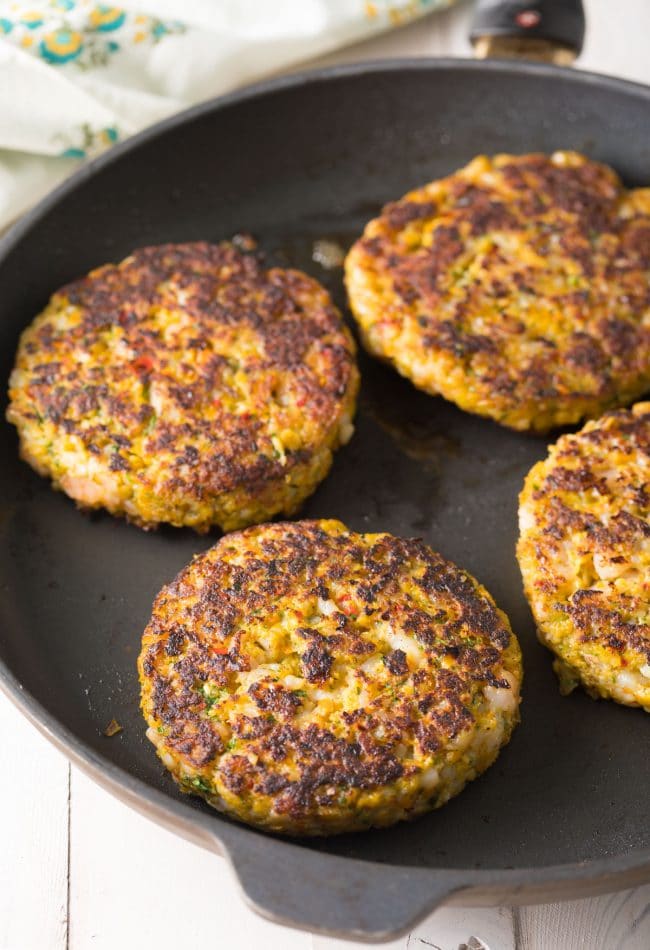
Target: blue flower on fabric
(109,135)
(6,26)
(105,18)
(61,46)
(64,4)
(73,153)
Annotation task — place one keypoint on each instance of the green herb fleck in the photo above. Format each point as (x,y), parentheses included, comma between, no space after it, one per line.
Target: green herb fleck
(201,784)
(211,694)
(278,448)
(231,744)
(151,422)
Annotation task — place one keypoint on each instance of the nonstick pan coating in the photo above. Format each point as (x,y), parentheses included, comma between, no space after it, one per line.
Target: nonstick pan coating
(565,809)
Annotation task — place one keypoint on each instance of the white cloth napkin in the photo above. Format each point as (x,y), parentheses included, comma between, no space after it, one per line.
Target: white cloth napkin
(77,76)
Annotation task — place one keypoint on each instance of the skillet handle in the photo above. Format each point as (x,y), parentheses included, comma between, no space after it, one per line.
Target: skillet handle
(548,30)
(323,893)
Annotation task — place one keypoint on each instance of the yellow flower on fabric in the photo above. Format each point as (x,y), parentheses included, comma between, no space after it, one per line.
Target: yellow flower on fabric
(86,140)
(105,18)
(108,136)
(90,37)
(32,20)
(60,46)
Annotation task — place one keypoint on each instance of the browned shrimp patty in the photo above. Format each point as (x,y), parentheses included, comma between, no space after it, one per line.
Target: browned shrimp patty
(584,552)
(311,680)
(187,385)
(517,287)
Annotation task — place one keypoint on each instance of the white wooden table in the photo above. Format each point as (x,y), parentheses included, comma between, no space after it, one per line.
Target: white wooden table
(80,870)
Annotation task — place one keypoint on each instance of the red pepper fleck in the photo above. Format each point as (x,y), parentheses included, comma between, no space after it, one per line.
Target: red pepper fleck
(346,606)
(143,362)
(222,651)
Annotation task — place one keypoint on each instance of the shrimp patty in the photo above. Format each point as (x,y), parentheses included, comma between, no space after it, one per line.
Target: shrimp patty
(518,288)
(310,680)
(186,385)
(584,552)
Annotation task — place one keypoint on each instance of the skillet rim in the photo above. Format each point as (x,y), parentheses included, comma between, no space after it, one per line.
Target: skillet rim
(159,806)
(304,77)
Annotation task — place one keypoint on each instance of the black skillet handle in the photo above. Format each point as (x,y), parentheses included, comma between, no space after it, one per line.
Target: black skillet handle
(305,888)
(549,30)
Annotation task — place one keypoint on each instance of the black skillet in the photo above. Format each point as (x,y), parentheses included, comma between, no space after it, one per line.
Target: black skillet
(564,812)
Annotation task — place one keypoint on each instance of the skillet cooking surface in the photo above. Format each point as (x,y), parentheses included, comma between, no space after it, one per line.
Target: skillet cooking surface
(313,160)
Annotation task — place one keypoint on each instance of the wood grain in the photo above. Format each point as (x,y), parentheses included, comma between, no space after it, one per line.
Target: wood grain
(33,837)
(614,922)
(135,885)
(449,928)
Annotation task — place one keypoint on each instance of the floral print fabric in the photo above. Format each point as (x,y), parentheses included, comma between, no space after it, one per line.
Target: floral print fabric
(79,76)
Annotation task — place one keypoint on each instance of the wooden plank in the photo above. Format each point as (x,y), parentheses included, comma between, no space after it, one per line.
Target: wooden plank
(329,943)
(617,921)
(133,884)
(453,928)
(34,836)
(613,44)
(449,928)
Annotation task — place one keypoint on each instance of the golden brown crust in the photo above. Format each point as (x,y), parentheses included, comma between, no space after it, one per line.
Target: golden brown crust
(584,551)
(199,387)
(517,287)
(308,679)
